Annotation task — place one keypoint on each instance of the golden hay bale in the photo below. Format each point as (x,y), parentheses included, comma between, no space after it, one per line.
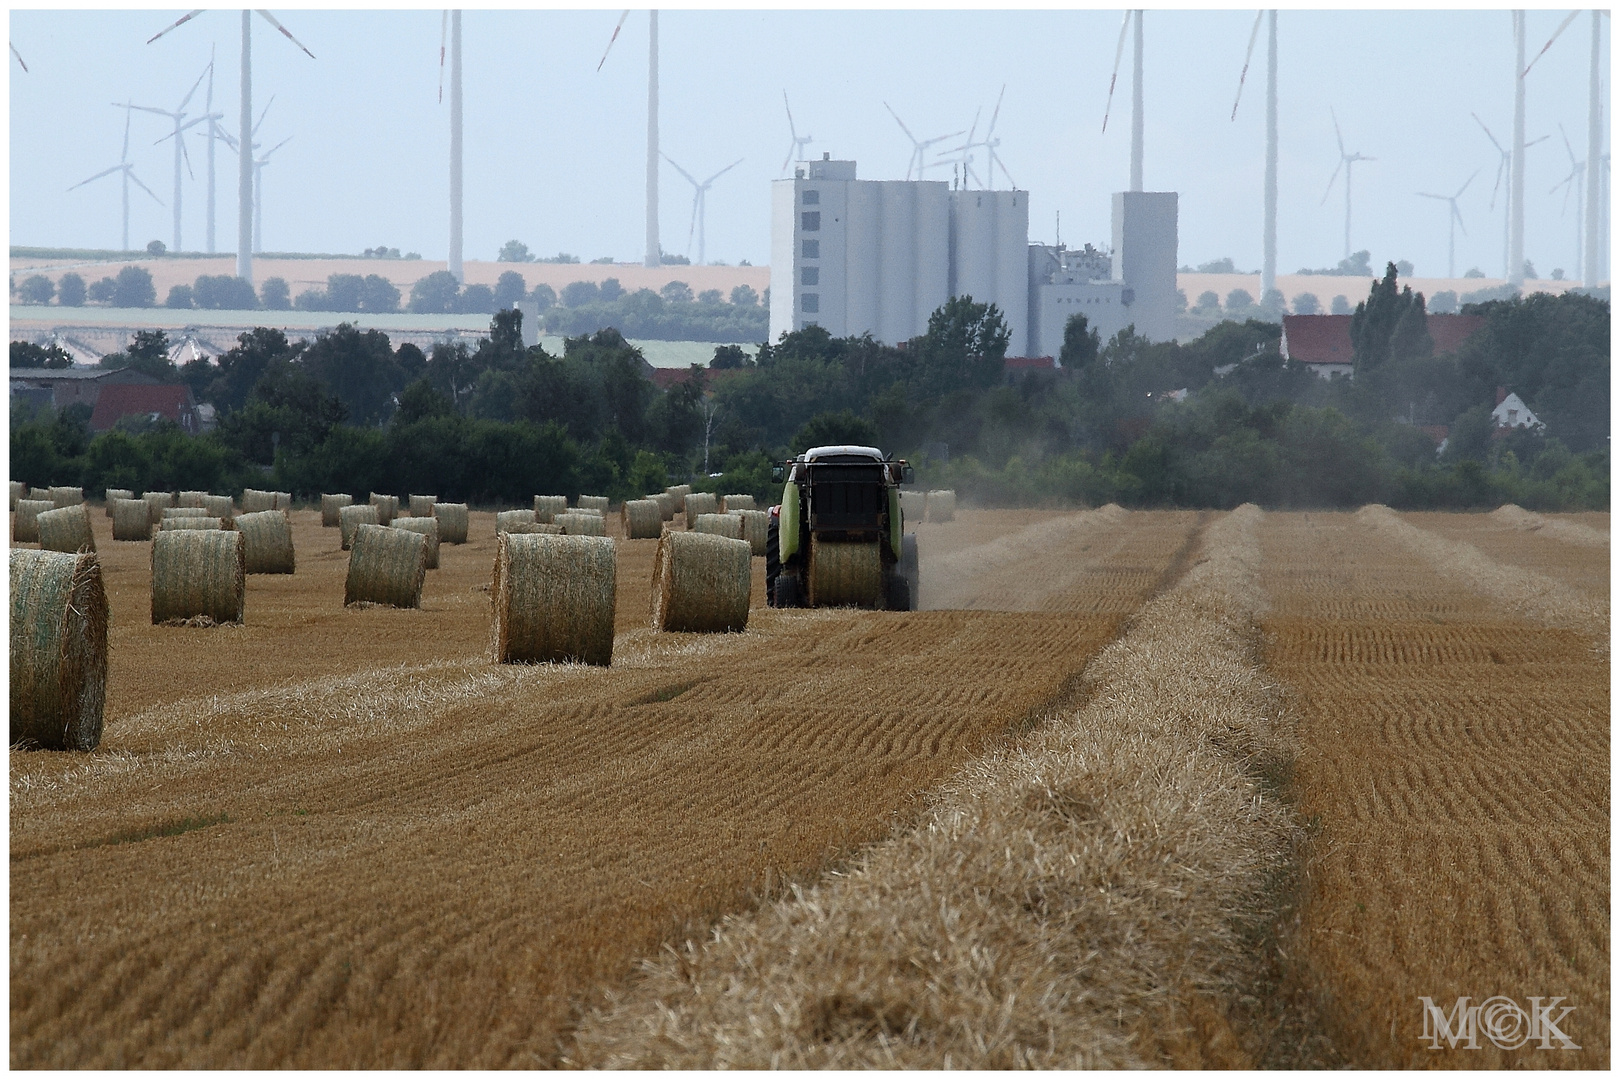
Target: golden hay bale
(67,496)
(679,492)
(157,502)
(699,502)
(387,566)
(387,507)
(422,505)
(913,506)
(452,519)
(330,505)
(737,502)
(131,520)
(351,518)
(170,524)
(529,528)
(198,576)
(941,505)
(506,519)
(593,502)
(220,506)
(575,523)
(756,525)
(547,507)
(268,541)
(642,519)
(191,498)
(41,494)
(25,523)
(19,491)
(666,505)
(428,527)
(184,512)
(111,495)
(727,525)
(553,599)
(58,650)
(845,574)
(701,583)
(283,501)
(255,501)
(67,528)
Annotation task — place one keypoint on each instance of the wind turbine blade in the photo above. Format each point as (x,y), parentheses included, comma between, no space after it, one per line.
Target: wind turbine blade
(271,19)
(1119,53)
(792,128)
(127,117)
(263,114)
(691,230)
(1487,132)
(18,55)
(1567,148)
(723,172)
(1428,195)
(1561,28)
(181,108)
(1500,168)
(995,163)
(181,21)
(444,36)
(1331,179)
(1466,182)
(903,127)
(678,169)
(144,108)
(1254,35)
(939,139)
(1458,216)
(1533,142)
(996,114)
(276,147)
(1336,133)
(789,159)
(208,105)
(142,186)
(615,37)
(98,176)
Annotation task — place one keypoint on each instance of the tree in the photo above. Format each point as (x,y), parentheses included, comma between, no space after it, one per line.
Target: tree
(965,346)
(133,288)
(1307,304)
(676,292)
(1340,305)
(180,296)
(435,294)
(611,290)
(378,295)
(515,251)
(149,354)
(25,354)
(240,369)
(544,296)
(1374,323)
(476,300)
(1208,300)
(510,287)
(358,367)
(421,401)
(1218,266)
(1239,300)
(743,296)
(709,296)
(157,248)
(1080,344)
(343,292)
(224,292)
(70,290)
(101,292)
(834,429)
(36,289)
(579,293)
(274,295)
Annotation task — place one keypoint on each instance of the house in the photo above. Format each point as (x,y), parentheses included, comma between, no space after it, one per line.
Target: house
(666,377)
(1511,412)
(158,401)
(75,385)
(1323,341)
(1014,366)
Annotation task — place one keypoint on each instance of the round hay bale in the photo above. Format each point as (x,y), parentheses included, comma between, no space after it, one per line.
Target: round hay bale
(941,505)
(170,524)
(220,506)
(387,507)
(198,577)
(268,542)
(547,507)
(283,501)
(913,507)
(756,526)
(41,494)
(428,527)
(727,525)
(111,496)
(679,492)
(594,502)
(58,650)
(666,505)
(553,599)
(575,523)
(330,505)
(66,528)
(19,491)
(452,519)
(701,583)
(255,501)
(845,574)
(529,528)
(67,496)
(351,518)
(422,505)
(697,503)
(737,502)
(25,522)
(170,512)
(386,566)
(191,498)
(157,502)
(506,519)
(131,520)
(642,519)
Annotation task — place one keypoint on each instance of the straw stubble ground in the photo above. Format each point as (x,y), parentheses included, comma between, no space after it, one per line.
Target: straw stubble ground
(288,853)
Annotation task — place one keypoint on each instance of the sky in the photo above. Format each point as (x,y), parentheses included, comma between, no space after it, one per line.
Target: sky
(556,150)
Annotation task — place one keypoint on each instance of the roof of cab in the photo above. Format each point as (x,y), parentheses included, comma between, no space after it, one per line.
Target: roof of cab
(818,452)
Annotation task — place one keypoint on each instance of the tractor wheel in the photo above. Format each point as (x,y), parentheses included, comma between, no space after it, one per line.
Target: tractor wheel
(773,558)
(908,570)
(785,591)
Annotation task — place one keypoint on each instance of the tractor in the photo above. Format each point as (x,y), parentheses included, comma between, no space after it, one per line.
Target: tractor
(837,538)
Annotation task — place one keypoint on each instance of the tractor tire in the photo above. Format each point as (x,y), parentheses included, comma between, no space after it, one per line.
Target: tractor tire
(773,558)
(907,569)
(900,594)
(785,591)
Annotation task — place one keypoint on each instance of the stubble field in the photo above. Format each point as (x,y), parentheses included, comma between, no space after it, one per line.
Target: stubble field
(343,838)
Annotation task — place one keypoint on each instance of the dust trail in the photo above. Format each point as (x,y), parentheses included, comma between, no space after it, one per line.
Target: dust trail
(999,575)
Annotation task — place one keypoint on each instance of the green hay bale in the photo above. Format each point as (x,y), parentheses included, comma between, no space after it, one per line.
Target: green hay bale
(666,505)
(727,525)
(594,502)
(267,542)
(386,566)
(701,583)
(131,520)
(507,520)
(67,496)
(19,491)
(191,498)
(58,650)
(941,505)
(66,528)
(157,502)
(25,522)
(422,505)
(428,527)
(112,495)
(553,599)
(845,574)
(737,502)
(171,512)
(756,526)
(255,501)
(547,507)
(171,524)
(698,503)
(642,519)
(575,523)
(351,518)
(387,507)
(220,506)
(452,519)
(198,577)
(913,508)
(330,505)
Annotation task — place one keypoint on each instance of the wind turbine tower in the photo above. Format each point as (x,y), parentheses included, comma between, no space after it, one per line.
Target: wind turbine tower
(178,115)
(700,204)
(258,193)
(655,251)
(1268,271)
(1454,218)
(455,264)
(1515,266)
(1595,236)
(128,170)
(1136,108)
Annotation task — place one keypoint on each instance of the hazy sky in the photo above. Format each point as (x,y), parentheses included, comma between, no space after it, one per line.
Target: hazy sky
(555,150)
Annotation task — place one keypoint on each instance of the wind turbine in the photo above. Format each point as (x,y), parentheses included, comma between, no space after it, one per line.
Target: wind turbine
(1454,219)
(1504,166)
(967,157)
(258,193)
(1268,270)
(1347,162)
(700,202)
(989,143)
(452,23)
(244,178)
(1516,180)
(128,170)
(18,55)
(796,150)
(918,149)
(253,144)
(655,251)
(1136,94)
(178,115)
(1592,265)
(1576,182)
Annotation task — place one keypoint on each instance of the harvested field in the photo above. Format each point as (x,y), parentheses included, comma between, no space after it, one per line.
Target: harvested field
(1578,558)
(1454,760)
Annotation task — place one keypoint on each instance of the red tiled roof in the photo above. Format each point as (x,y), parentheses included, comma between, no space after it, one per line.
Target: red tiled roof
(1029,363)
(170,402)
(666,377)
(1317,339)
(1450,331)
